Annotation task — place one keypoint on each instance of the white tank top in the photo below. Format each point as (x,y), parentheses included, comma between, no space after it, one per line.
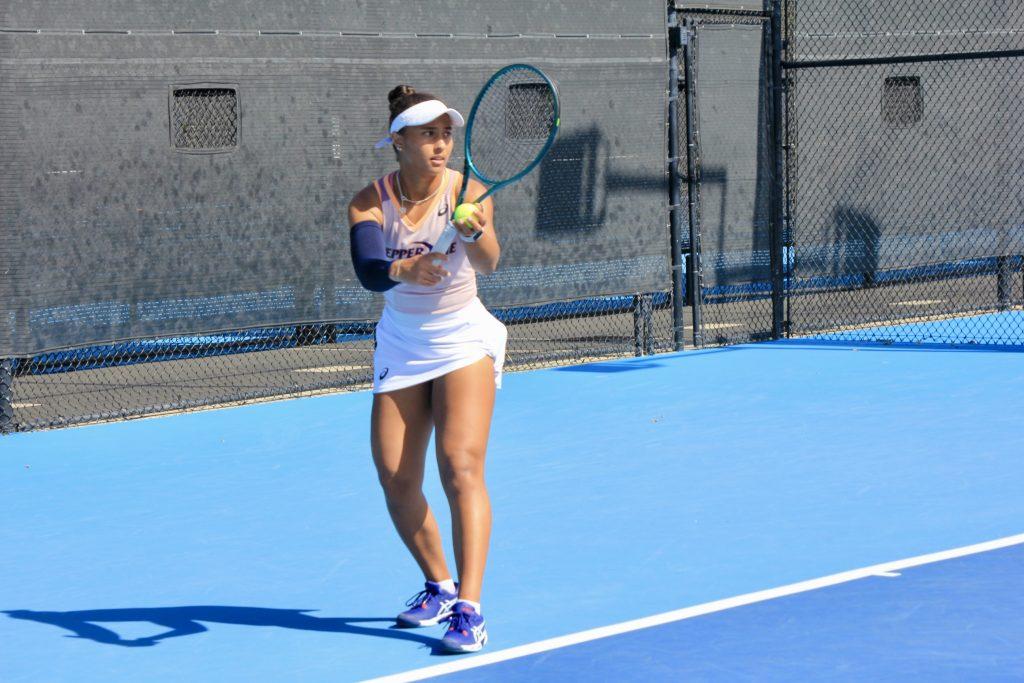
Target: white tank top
(403,239)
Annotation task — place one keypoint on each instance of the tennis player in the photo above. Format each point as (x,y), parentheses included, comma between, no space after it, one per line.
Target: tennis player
(438,357)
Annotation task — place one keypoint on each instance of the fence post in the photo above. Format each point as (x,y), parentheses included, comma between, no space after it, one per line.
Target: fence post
(778,181)
(694,271)
(6,396)
(1004,281)
(1005,265)
(647,314)
(676,38)
(638,326)
(643,324)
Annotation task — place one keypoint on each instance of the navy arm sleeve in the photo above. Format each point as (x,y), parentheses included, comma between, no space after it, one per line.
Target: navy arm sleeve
(367,241)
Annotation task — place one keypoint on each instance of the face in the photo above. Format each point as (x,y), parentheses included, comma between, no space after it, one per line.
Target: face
(425,149)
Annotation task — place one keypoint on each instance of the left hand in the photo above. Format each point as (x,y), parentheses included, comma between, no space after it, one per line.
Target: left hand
(476,222)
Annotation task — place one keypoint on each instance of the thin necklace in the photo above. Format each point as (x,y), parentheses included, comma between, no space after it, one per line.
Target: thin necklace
(401,194)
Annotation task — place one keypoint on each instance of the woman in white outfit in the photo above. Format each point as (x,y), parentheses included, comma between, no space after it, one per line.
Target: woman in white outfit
(438,357)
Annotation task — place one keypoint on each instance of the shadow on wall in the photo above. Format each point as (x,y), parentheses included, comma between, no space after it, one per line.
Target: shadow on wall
(734,164)
(855,243)
(575,181)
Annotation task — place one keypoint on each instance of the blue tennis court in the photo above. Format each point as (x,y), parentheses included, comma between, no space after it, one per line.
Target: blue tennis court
(786,511)
(761,270)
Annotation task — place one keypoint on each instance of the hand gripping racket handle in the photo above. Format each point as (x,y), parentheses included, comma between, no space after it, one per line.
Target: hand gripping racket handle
(444,242)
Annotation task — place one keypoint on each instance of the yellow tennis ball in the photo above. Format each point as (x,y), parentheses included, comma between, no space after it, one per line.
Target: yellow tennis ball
(463,212)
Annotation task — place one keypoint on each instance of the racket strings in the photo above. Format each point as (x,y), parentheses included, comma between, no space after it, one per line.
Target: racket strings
(512,124)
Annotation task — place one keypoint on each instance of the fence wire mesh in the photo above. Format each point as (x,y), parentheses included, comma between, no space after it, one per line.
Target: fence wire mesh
(855,29)
(204,119)
(175,231)
(152,376)
(904,217)
(728,139)
(904,171)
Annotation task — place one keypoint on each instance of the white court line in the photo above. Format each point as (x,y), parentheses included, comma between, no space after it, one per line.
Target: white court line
(885,569)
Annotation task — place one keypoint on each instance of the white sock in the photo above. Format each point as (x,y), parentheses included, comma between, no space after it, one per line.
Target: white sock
(474,605)
(448,586)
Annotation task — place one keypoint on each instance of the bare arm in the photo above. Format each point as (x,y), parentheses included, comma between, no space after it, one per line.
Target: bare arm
(485,253)
(365,206)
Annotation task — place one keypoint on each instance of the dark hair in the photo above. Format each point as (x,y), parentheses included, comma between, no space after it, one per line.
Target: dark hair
(402,97)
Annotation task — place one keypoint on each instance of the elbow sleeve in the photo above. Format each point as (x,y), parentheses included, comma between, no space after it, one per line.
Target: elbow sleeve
(368,256)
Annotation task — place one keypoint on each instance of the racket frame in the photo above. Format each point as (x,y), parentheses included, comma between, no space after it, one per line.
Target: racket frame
(448,235)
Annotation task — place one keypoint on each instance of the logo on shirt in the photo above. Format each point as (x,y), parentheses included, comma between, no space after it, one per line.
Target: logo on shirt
(423,248)
(382,375)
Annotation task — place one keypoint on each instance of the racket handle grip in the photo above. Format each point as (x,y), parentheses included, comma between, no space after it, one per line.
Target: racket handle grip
(445,240)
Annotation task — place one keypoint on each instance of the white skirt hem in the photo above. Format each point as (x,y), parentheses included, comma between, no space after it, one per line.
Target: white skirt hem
(412,380)
(412,349)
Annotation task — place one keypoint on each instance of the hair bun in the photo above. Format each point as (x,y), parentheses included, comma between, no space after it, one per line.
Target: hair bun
(402,97)
(398,92)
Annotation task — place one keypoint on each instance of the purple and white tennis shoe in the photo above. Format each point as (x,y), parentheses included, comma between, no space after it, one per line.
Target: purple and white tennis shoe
(429,607)
(467,631)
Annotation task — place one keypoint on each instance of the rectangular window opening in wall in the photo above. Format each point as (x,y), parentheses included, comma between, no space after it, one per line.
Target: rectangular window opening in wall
(521,119)
(204,118)
(902,100)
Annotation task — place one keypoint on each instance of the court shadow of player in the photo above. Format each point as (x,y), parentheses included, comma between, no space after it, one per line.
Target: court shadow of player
(611,368)
(191,620)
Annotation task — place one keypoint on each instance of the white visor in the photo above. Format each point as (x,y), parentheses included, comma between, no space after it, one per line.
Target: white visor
(421,113)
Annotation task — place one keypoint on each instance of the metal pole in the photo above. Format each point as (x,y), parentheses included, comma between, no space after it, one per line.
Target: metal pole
(647,316)
(1004,270)
(1004,285)
(694,271)
(6,396)
(675,215)
(777,137)
(638,327)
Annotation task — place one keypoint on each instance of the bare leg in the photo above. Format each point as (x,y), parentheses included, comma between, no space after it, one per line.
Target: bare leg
(401,423)
(463,402)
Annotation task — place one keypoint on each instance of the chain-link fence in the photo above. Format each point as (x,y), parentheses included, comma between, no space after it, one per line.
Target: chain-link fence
(174,228)
(152,376)
(905,166)
(729,179)
(898,216)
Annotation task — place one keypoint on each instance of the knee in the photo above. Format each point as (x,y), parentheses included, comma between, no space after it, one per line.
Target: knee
(400,488)
(464,473)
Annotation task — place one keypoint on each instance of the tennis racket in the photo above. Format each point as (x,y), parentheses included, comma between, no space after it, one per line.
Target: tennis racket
(512,125)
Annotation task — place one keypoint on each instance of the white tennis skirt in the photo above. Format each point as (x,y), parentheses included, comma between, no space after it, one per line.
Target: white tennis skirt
(416,348)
